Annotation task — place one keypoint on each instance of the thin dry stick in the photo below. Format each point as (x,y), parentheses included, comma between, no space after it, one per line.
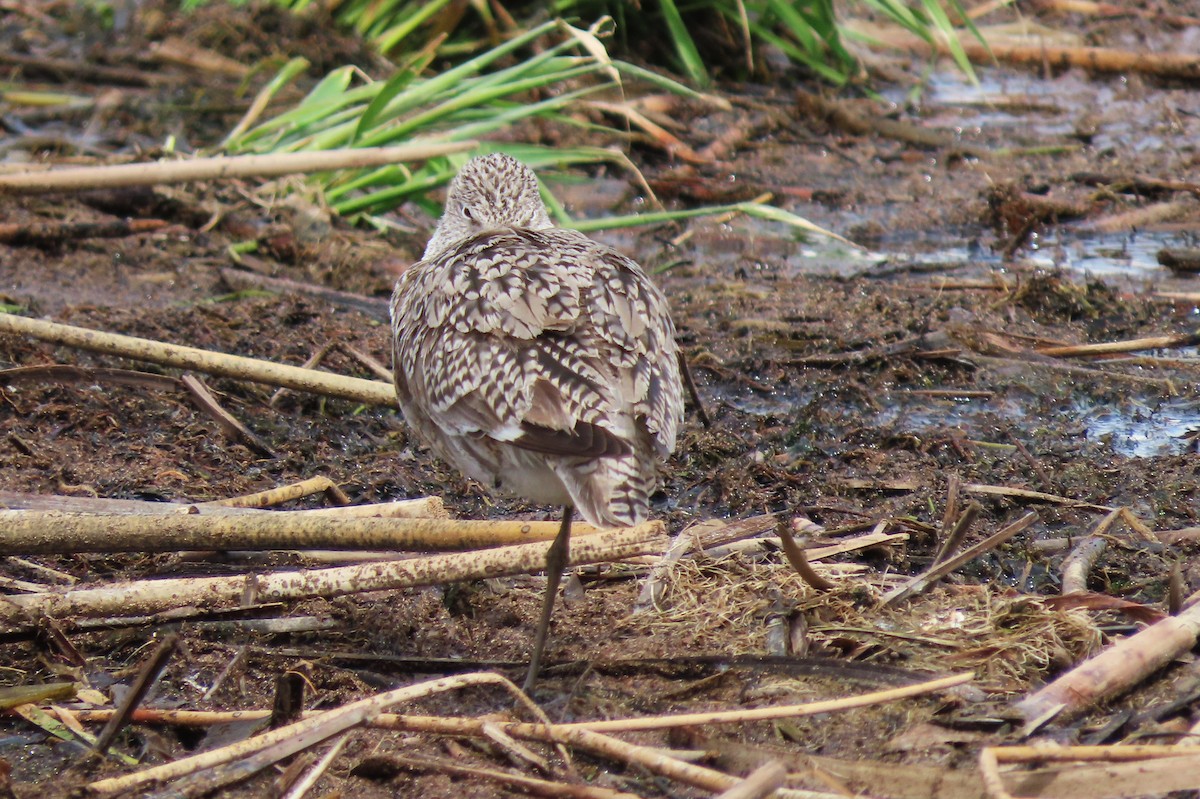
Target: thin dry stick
(313,362)
(795,556)
(766,713)
(955,537)
(1035,496)
(1184,66)
(220,167)
(205,401)
(34,532)
(1104,376)
(654,586)
(760,783)
(371,392)
(990,758)
(1131,345)
(1114,671)
(370,307)
(1079,562)
(953,486)
(282,494)
(66,373)
(301,734)
(419,508)
(311,776)
(923,581)
(377,368)
(651,759)
(439,724)
(156,596)
(133,697)
(529,785)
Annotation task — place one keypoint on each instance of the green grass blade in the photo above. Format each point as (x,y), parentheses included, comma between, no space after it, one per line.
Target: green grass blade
(685,47)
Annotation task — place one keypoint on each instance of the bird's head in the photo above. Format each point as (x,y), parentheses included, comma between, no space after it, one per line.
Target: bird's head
(490,192)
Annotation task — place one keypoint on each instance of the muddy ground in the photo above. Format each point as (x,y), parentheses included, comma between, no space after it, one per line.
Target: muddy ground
(847,387)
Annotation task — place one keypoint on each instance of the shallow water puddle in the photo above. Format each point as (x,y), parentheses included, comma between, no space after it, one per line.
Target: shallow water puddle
(1134,428)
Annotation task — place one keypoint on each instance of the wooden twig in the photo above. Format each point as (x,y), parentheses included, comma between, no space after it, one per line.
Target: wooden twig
(953,490)
(923,581)
(1104,376)
(1114,671)
(372,392)
(306,782)
(313,362)
(1130,345)
(287,493)
(375,365)
(220,167)
(530,785)
(69,373)
(368,306)
(146,677)
(206,402)
(843,117)
(795,556)
(955,537)
(86,70)
(292,738)
(41,233)
(1078,564)
(1183,66)
(744,715)
(759,784)
(1159,770)
(1043,478)
(1033,496)
(155,596)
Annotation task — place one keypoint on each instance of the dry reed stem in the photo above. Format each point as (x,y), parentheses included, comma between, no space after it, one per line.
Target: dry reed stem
(1173,760)
(301,734)
(1103,376)
(923,581)
(759,783)
(419,508)
(1131,345)
(767,713)
(1034,496)
(1114,671)
(203,399)
(371,392)
(1185,66)
(32,532)
(653,760)
(531,785)
(310,777)
(281,494)
(155,596)
(35,181)
(440,724)
(796,558)
(1077,564)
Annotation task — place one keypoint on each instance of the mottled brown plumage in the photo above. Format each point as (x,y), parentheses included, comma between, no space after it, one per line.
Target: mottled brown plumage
(534,359)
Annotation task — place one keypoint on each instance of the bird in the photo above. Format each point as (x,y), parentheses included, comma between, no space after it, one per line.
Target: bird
(536,360)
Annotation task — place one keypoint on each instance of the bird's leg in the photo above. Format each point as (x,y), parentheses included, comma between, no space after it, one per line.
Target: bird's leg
(556,561)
